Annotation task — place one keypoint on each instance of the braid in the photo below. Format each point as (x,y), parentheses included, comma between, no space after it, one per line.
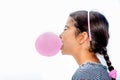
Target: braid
(102,51)
(108,62)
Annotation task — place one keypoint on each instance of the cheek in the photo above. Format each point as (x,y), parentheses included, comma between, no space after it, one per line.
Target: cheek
(68,47)
(68,42)
(68,38)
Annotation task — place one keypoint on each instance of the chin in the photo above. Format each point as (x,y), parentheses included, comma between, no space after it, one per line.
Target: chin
(64,53)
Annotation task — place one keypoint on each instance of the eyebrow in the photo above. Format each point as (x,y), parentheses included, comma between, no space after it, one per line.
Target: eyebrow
(66,26)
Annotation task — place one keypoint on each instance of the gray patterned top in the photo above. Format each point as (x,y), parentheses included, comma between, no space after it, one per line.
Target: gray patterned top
(91,71)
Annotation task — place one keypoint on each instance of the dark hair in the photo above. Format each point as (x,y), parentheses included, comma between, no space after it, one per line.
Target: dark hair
(99,31)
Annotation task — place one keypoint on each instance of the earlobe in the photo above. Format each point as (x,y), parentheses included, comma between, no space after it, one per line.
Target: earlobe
(82,37)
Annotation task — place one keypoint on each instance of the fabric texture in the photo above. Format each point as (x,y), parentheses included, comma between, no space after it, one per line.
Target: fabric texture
(91,71)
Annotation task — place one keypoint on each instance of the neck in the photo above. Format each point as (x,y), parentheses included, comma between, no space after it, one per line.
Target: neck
(85,56)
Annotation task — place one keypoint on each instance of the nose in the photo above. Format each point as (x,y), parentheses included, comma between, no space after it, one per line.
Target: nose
(61,35)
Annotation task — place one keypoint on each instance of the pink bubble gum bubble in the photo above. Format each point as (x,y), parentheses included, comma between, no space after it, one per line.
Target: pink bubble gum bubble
(48,44)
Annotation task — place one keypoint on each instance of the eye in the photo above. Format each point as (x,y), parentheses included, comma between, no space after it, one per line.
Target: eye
(66,27)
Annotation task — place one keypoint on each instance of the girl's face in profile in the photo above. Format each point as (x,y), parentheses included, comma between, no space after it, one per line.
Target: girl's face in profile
(68,37)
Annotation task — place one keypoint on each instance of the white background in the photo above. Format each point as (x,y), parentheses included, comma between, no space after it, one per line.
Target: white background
(22,21)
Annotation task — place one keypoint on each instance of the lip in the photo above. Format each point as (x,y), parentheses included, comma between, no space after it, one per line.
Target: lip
(61,44)
(61,47)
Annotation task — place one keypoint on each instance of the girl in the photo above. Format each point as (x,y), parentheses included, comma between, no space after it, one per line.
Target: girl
(85,35)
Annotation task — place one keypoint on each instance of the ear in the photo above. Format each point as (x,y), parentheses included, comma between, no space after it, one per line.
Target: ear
(82,37)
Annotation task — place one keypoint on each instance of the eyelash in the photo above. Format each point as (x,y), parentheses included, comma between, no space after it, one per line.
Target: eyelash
(65,28)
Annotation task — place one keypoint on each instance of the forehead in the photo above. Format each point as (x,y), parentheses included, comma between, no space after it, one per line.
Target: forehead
(70,22)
